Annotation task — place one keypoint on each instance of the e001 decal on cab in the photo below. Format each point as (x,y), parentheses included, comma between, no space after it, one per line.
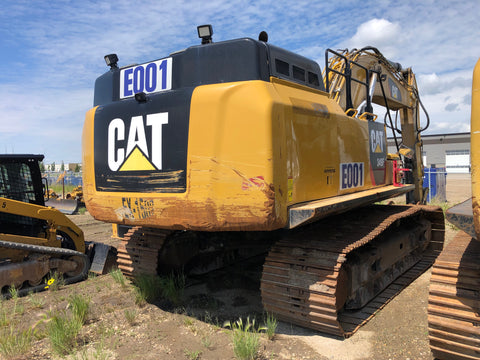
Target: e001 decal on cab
(351,175)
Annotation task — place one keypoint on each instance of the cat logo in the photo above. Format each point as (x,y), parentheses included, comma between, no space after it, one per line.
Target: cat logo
(377,141)
(136,155)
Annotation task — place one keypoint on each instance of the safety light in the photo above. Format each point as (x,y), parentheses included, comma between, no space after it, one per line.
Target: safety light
(111,60)
(205,32)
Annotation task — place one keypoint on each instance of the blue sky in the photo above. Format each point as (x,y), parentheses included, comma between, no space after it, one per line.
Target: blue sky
(52,52)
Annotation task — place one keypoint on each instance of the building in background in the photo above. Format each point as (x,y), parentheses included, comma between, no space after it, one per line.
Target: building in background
(451,151)
(74,167)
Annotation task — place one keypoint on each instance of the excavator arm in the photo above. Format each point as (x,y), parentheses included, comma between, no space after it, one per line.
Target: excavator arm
(360,78)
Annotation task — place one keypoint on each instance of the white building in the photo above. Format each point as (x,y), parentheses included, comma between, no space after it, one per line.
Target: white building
(451,151)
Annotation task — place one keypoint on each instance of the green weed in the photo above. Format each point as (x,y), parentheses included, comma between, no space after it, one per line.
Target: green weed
(4,318)
(246,339)
(147,288)
(151,287)
(17,309)
(118,277)
(97,353)
(192,355)
(36,301)
(62,331)
(173,287)
(13,344)
(206,341)
(80,307)
(130,315)
(270,325)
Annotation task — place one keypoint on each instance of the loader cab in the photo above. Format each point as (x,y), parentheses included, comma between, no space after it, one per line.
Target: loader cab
(21,180)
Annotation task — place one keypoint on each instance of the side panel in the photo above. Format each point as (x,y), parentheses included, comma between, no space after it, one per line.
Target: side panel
(327,153)
(475,147)
(254,149)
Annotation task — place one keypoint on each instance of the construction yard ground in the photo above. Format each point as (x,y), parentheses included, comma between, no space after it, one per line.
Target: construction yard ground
(118,326)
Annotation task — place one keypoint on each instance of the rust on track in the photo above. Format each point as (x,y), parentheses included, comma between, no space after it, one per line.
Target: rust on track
(304,277)
(454,301)
(138,252)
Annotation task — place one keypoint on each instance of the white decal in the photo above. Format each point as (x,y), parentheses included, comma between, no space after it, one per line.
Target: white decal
(148,78)
(117,154)
(377,141)
(116,132)
(351,175)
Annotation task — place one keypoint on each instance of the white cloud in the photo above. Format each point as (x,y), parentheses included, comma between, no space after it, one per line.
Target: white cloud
(380,33)
(435,84)
(52,52)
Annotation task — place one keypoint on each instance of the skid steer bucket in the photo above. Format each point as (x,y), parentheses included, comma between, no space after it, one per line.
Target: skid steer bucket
(66,206)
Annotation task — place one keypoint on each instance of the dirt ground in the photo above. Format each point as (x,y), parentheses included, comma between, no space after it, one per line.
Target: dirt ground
(195,330)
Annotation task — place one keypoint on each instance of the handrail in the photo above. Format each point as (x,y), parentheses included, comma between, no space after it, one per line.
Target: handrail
(347,74)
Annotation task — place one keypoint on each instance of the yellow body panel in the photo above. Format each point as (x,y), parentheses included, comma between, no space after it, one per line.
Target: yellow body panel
(55,219)
(254,149)
(475,147)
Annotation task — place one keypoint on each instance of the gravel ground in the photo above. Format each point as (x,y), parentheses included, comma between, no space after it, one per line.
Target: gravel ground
(399,331)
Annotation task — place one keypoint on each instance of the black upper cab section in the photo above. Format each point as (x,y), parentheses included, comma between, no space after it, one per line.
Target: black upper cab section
(227,61)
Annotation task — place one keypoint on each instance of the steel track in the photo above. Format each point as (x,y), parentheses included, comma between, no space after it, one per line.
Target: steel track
(303,277)
(51,252)
(138,252)
(454,301)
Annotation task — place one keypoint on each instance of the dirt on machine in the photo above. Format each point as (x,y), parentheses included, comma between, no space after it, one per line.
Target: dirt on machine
(228,150)
(38,243)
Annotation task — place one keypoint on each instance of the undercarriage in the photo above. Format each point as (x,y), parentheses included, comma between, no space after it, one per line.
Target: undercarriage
(331,276)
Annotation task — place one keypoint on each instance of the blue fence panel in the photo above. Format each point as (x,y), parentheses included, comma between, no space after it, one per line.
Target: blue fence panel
(435,180)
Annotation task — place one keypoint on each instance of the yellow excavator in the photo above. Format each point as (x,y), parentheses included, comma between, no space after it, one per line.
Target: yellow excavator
(231,149)
(454,294)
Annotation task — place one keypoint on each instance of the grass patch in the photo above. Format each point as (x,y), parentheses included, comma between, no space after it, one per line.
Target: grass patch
(270,325)
(36,301)
(130,316)
(206,341)
(151,287)
(80,307)
(97,352)
(62,331)
(4,318)
(173,287)
(14,344)
(192,355)
(58,188)
(147,288)
(17,309)
(118,277)
(246,339)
